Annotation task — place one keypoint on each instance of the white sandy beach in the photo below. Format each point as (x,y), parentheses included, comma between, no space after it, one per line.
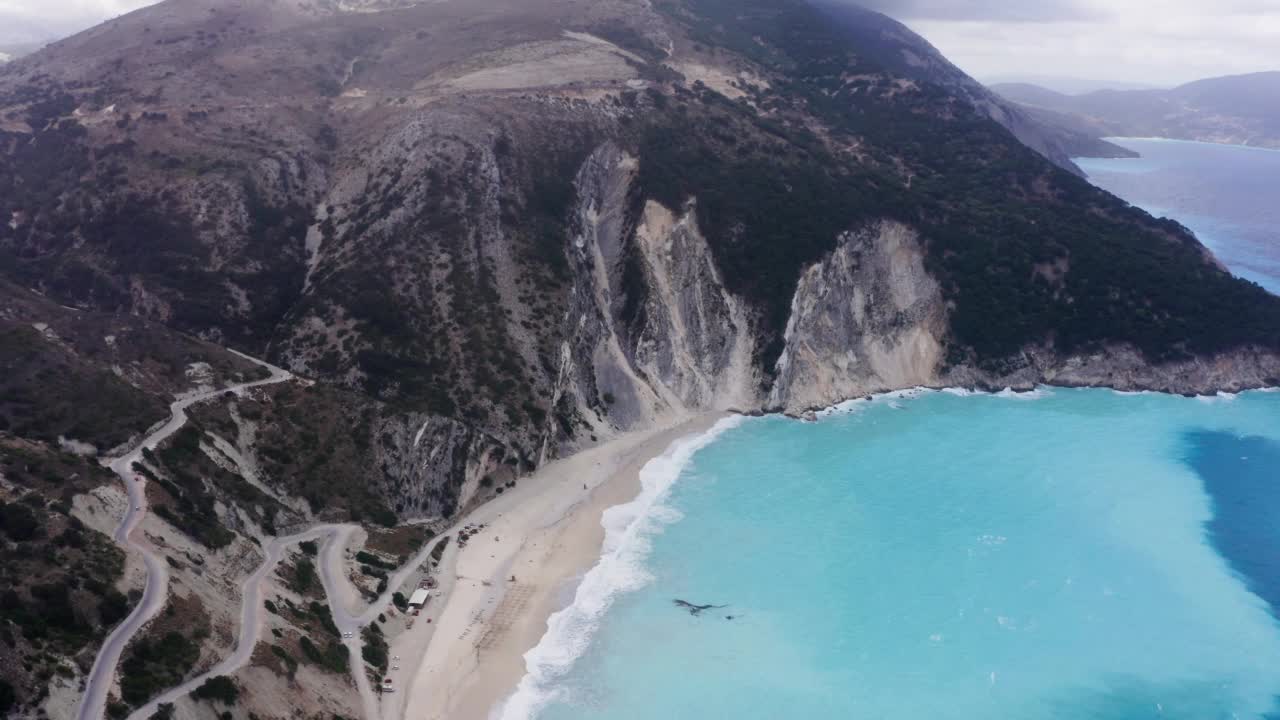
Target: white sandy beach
(545,533)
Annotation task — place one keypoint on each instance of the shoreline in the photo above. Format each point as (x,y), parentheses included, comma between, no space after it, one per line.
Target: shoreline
(1118,138)
(809,414)
(545,533)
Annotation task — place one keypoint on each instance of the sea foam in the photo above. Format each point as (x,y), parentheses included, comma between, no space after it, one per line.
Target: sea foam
(621,569)
(893,398)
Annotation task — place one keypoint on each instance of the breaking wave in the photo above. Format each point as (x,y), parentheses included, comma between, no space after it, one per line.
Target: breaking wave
(621,569)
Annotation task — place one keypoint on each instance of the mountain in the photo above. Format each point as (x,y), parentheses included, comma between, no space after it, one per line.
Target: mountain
(1067,85)
(901,51)
(490,233)
(20,34)
(1238,109)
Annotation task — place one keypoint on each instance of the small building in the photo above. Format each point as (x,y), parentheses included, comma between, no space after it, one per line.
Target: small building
(419,598)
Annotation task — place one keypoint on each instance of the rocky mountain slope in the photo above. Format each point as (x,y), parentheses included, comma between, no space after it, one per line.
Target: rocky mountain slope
(1237,109)
(904,53)
(491,233)
(527,228)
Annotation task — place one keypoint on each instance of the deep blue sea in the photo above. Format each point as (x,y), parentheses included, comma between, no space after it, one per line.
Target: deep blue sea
(1228,195)
(1064,555)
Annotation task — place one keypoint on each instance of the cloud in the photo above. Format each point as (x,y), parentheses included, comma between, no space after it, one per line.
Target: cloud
(42,20)
(1018,11)
(1162,42)
(1144,41)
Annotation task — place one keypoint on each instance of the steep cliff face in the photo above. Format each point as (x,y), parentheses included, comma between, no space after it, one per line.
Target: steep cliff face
(652,332)
(870,318)
(431,465)
(697,343)
(867,318)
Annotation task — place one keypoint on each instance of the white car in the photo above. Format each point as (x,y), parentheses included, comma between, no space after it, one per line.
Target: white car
(395,667)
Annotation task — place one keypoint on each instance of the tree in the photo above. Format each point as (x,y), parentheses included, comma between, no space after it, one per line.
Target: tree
(8,698)
(113,608)
(18,522)
(304,576)
(221,688)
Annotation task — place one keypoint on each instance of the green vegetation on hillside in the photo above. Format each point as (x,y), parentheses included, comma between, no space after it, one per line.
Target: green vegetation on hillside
(315,442)
(374,649)
(996,217)
(333,658)
(96,218)
(58,598)
(166,653)
(193,483)
(219,689)
(43,395)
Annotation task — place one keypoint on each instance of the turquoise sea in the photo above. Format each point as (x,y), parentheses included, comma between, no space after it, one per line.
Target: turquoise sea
(1064,554)
(1228,195)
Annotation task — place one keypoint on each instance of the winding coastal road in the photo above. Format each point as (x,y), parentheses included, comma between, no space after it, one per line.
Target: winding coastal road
(251,612)
(93,704)
(338,591)
(342,599)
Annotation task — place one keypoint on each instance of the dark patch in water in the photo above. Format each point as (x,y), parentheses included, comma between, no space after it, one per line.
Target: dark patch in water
(1242,476)
(695,609)
(1130,698)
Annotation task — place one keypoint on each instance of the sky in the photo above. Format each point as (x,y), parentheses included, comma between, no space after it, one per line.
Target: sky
(43,20)
(1107,42)
(1148,42)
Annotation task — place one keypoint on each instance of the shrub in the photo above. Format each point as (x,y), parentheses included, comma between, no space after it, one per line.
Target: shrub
(222,689)
(374,650)
(371,559)
(289,662)
(333,658)
(113,608)
(153,666)
(304,575)
(18,522)
(8,698)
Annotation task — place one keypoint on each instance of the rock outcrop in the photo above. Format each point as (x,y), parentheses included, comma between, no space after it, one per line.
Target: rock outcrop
(867,318)
(653,332)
